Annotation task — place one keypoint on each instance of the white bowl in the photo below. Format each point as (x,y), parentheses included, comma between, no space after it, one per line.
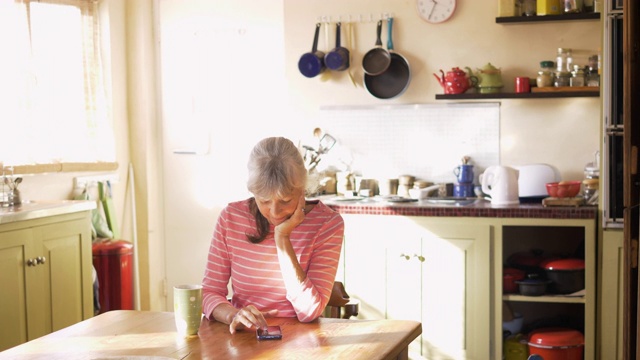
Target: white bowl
(515,325)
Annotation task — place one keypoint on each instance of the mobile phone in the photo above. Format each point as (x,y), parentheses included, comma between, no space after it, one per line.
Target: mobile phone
(271,333)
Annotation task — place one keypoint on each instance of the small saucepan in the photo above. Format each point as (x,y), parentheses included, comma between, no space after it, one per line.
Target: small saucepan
(338,58)
(378,59)
(311,64)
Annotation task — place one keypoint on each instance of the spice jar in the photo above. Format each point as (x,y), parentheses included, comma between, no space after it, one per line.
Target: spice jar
(545,74)
(563,78)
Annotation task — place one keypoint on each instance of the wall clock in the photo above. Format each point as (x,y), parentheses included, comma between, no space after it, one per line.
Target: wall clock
(436,11)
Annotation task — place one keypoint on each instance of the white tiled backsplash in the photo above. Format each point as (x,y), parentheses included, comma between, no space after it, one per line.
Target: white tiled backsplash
(424,140)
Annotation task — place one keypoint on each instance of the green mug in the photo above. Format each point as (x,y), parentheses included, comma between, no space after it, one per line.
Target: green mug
(187,307)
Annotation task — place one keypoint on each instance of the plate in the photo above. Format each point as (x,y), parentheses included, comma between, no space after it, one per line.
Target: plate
(398,199)
(349,198)
(452,200)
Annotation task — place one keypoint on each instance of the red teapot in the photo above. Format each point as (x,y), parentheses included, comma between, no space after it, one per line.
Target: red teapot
(456,81)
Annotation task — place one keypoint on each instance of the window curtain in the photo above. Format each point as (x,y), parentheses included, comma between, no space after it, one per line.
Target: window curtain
(53,104)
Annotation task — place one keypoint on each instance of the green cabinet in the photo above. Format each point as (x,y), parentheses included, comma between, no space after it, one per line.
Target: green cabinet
(555,237)
(611,309)
(45,276)
(429,269)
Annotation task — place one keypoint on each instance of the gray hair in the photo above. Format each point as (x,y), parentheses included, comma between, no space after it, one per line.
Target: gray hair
(276,168)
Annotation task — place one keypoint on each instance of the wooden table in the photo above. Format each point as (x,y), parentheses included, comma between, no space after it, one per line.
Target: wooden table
(128,334)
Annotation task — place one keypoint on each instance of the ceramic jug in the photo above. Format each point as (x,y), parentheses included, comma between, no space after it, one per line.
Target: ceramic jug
(501,184)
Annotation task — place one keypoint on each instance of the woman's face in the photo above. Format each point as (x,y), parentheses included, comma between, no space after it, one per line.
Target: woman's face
(276,209)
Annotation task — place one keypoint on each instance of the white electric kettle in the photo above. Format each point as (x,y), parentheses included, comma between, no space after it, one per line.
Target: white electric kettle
(501,183)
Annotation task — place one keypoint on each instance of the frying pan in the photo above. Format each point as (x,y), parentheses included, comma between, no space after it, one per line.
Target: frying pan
(312,63)
(376,60)
(338,58)
(393,81)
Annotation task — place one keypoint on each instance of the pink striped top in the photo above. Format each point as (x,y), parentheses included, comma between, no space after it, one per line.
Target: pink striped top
(254,269)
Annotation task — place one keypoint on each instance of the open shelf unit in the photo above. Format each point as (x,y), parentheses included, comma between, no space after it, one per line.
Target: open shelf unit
(545,18)
(530,95)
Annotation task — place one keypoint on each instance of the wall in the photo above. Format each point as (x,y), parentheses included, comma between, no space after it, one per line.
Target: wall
(560,132)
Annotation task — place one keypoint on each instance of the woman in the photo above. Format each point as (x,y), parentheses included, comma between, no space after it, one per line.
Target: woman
(280,252)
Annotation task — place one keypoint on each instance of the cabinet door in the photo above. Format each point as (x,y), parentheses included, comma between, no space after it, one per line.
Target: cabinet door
(611,311)
(404,276)
(14,249)
(455,289)
(65,296)
(364,262)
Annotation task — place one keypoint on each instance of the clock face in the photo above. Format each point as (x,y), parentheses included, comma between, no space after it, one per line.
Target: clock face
(436,11)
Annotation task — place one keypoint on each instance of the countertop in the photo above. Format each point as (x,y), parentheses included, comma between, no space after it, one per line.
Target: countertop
(472,208)
(38,209)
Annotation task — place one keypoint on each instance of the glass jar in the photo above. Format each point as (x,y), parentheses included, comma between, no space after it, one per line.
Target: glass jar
(545,74)
(572,6)
(529,7)
(563,78)
(564,60)
(577,76)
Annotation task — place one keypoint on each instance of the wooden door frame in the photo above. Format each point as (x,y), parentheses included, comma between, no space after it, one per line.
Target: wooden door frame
(631,111)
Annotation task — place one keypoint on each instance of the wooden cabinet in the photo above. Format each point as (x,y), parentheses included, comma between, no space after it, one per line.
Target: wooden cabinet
(45,276)
(433,270)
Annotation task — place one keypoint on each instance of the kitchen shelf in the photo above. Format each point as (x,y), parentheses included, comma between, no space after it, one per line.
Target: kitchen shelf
(546,18)
(531,95)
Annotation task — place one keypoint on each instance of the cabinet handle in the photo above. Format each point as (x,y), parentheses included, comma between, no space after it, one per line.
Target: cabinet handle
(420,257)
(405,256)
(31,262)
(41,259)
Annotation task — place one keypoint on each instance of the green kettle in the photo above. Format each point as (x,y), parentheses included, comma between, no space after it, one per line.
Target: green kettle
(489,79)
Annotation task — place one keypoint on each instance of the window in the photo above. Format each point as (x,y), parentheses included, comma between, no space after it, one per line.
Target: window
(53,107)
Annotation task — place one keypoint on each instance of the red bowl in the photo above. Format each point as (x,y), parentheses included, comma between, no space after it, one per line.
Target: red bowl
(563,189)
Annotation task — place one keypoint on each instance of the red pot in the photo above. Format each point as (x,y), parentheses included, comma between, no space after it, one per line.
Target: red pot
(528,261)
(557,344)
(567,275)
(509,278)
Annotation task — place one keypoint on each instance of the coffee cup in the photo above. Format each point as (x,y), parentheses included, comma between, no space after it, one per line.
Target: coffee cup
(187,307)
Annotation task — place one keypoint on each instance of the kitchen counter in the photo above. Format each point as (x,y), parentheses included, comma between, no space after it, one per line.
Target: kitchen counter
(476,208)
(38,209)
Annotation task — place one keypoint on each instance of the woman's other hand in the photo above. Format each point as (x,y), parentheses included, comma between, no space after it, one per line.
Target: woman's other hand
(250,317)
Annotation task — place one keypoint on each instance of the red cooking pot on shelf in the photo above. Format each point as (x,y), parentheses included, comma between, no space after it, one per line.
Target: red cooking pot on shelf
(509,278)
(557,343)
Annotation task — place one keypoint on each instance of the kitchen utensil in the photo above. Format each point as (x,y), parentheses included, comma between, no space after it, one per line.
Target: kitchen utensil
(522,84)
(528,261)
(378,59)
(489,79)
(563,189)
(394,81)
(557,343)
(338,58)
(501,184)
(514,326)
(464,174)
(566,275)
(516,347)
(509,278)
(463,190)
(532,179)
(456,81)
(533,286)
(311,64)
